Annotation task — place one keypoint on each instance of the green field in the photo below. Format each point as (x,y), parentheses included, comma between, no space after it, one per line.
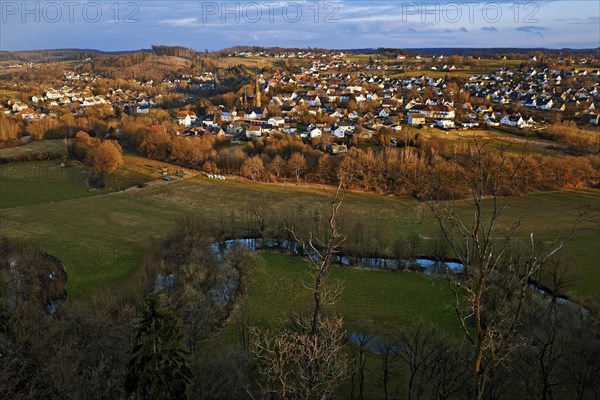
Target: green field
(377,301)
(35,147)
(36,182)
(102,236)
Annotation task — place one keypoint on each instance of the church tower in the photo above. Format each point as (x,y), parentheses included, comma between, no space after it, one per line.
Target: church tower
(257,101)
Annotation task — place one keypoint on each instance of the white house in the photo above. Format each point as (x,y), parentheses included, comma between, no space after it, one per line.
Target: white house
(384,113)
(444,123)
(186,118)
(276,121)
(315,133)
(338,132)
(254,131)
(513,121)
(491,121)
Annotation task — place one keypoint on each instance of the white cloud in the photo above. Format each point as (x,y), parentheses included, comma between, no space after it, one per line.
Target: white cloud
(182,22)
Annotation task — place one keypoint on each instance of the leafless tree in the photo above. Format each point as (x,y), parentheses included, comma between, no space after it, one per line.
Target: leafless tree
(417,351)
(308,361)
(388,355)
(490,298)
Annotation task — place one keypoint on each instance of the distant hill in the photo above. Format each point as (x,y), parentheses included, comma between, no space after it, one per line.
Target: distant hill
(483,52)
(53,55)
(487,52)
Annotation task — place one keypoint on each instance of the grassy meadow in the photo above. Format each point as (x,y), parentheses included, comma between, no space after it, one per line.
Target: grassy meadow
(373,300)
(102,235)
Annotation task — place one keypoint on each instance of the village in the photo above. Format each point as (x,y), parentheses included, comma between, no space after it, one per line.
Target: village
(343,98)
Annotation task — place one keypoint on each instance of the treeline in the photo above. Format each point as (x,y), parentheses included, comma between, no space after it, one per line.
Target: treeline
(177,51)
(423,172)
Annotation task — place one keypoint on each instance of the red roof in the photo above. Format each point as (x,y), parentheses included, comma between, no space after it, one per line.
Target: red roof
(186,112)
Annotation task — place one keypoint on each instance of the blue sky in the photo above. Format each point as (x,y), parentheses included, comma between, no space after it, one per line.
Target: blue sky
(126,25)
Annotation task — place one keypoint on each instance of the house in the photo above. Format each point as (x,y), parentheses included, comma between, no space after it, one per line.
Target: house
(27,114)
(544,105)
(276,121)
(484,109)
(255,113)
(444,123)
(254,131)
(492,121)
(338,132)
(513,121)
(433,111)
(339,113)
(315,133)
(235,128)
(19,106)
(415,119)
(384,113)
(186,118)
(347,127)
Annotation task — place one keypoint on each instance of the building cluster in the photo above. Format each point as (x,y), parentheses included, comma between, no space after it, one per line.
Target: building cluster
(336,95)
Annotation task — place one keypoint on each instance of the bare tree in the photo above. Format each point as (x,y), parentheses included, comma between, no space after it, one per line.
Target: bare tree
(360,353)
(388,355)
(490,298)
(417,351)
(308,361)
(297,165)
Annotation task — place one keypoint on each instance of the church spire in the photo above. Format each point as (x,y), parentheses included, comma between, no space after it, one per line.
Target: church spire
(257,102)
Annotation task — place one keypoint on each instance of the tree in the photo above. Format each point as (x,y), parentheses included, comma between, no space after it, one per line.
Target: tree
(417,351)
(82,144)
(297,165)
(325,169)
(278,166)
(490,299)
(308,361)
(385,137)
(9,129)
(253,168)
(158,368)
(105,158)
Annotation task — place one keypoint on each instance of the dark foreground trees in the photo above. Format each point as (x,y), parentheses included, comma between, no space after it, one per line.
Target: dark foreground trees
(158,368)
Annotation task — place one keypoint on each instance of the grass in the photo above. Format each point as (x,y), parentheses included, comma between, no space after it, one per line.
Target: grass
(249,62)
(36,182)
(101,236)
(373,301)
(495,139)
(35,147)
(6,95)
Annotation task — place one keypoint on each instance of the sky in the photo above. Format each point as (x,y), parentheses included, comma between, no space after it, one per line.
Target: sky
(115,25)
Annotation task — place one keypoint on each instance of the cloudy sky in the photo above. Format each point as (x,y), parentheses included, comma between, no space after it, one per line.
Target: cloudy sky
(338,24)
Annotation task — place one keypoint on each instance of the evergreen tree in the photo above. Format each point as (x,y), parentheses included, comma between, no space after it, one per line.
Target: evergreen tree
(158,368)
